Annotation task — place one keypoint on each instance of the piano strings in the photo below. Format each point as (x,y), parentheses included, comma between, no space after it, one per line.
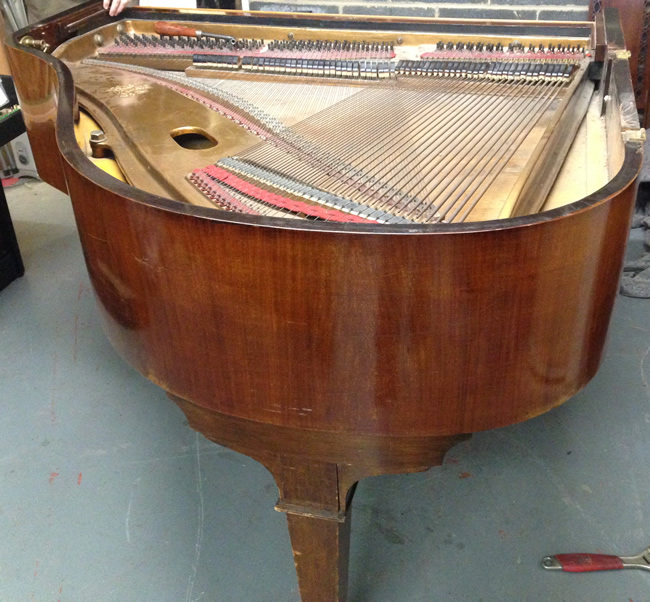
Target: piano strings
(446,135)
(439,144)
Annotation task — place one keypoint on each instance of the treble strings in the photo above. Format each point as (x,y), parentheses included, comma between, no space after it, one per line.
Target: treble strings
(507,145)
(436,145)
(472,152)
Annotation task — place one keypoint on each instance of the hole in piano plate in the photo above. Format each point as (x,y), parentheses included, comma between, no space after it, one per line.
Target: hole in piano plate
(193,138)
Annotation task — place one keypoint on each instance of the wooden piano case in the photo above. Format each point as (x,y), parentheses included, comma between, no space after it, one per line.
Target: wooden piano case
(336,351)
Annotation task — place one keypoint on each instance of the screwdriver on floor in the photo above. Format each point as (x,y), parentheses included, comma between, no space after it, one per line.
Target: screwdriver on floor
(583,563)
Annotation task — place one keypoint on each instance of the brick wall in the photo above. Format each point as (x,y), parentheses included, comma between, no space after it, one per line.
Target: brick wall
(554,10)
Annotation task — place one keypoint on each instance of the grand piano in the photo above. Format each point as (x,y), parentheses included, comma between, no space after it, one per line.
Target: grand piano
(341,244)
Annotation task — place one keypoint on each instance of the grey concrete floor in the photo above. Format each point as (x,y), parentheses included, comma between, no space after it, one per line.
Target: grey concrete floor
(107,495)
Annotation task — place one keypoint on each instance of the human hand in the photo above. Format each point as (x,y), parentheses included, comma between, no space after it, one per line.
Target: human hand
(115,7)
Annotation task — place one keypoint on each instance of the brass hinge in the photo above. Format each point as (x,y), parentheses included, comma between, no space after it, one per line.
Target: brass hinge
(30,42)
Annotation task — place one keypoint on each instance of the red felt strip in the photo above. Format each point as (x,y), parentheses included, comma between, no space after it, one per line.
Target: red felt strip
(279,201)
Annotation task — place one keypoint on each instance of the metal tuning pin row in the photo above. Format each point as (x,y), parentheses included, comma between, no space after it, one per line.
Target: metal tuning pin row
(136,41)
(165,42)
(513,47)
(523,71)
(329,46)
(216,61)
(289,46)
(319,68)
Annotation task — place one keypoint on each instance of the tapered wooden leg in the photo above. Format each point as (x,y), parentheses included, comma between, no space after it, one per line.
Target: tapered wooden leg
(320,552)
(316,501)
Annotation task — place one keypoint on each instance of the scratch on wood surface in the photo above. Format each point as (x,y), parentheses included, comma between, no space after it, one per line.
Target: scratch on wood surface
(146,261)
(199,528)
(89,235)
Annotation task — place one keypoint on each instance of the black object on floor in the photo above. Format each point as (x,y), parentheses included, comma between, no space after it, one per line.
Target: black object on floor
(11,263)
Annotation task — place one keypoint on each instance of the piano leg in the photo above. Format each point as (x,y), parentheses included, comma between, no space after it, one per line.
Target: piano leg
(320,554)
(316,474)
(317,505)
